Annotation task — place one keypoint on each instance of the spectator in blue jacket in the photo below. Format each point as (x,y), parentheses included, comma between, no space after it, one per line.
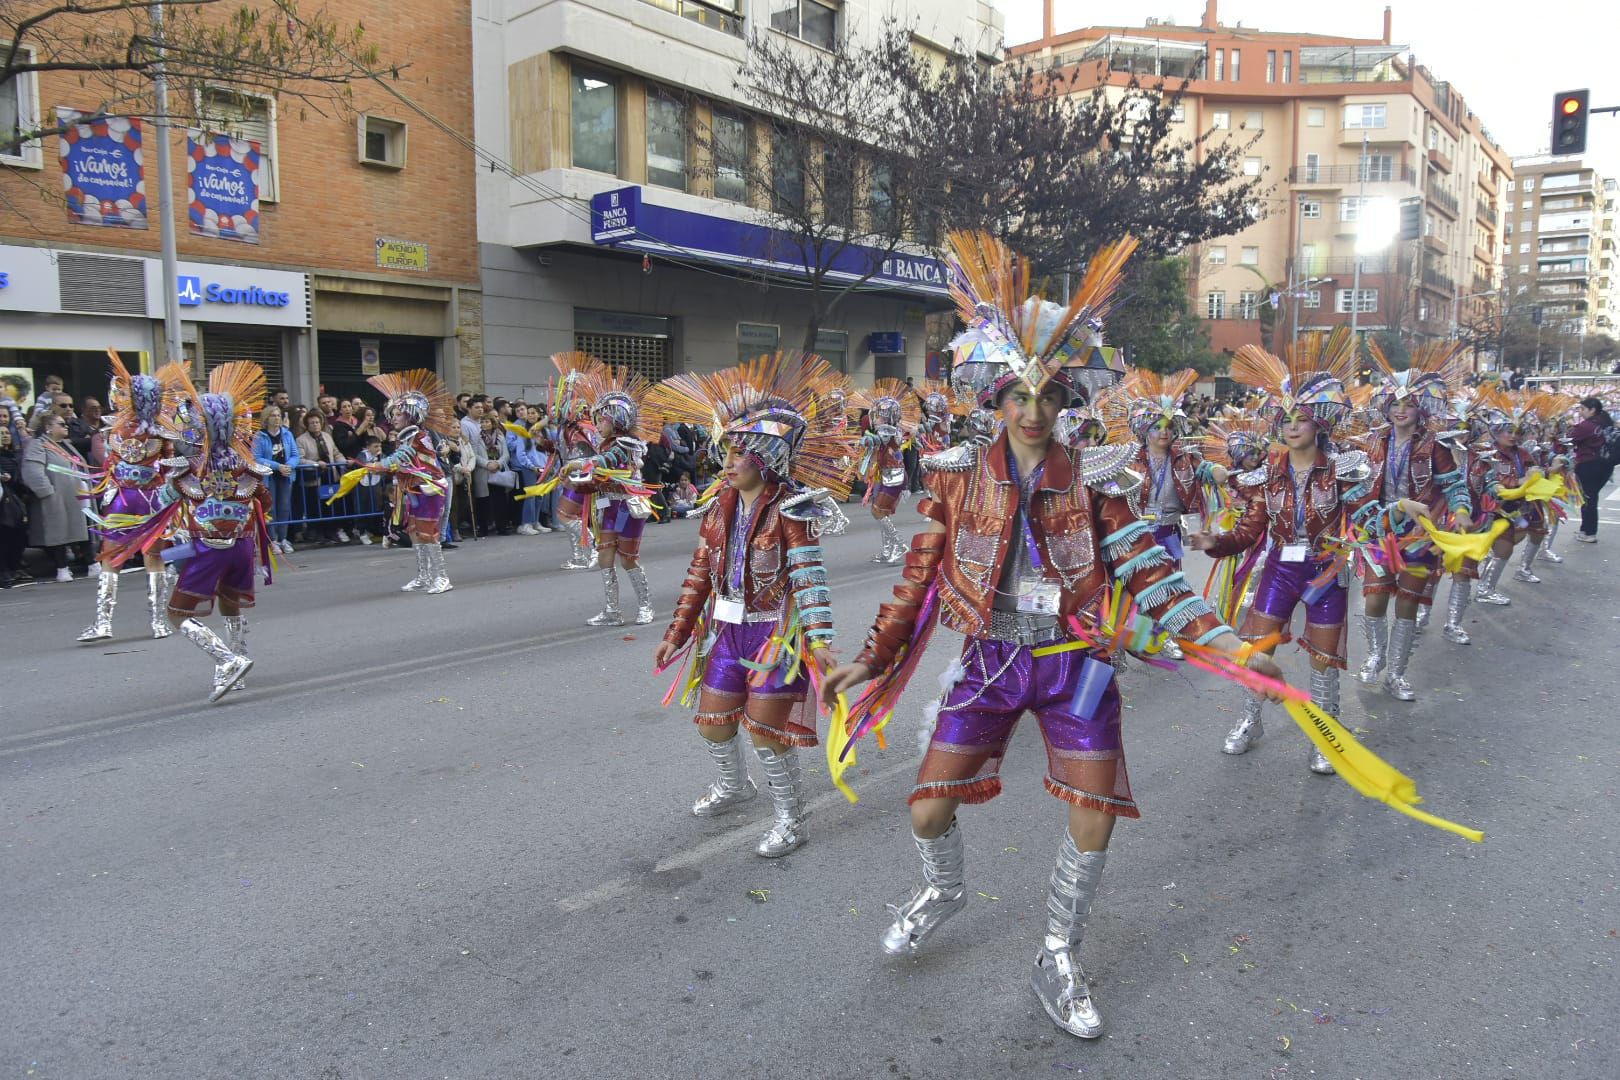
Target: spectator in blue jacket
(275,448)
(529,462)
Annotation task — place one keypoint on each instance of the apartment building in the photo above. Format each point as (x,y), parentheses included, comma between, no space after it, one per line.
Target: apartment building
(1560,235)
(607,239)
(1345,130)
(353,249)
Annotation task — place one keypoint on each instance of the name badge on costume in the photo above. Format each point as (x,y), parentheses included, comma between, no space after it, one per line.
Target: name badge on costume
(1038,597)
(1296,552)
(1192,523)
(603,502)
(727,610)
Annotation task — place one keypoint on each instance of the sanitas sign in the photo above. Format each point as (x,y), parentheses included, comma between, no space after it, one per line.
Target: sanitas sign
(193,293)
(5,279)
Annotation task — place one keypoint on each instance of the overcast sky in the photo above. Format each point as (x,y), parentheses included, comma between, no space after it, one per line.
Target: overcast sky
(1506,59)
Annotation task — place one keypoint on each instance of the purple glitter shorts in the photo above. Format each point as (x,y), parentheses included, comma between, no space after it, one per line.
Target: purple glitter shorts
(1284,585)
(222,572)
(617,519)
(725,673)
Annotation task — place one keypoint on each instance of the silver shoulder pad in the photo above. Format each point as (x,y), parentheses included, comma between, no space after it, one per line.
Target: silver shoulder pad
(1107,468)
(1351,466)
(959,458)
(1254,477)
(817,508)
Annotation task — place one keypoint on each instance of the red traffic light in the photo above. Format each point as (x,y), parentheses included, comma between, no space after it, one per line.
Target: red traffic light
(1570,106)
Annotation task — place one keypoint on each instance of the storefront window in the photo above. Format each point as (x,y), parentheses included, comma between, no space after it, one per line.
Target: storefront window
(731,155)
(666,142)
(787,177)
(833,347)
(757,339)
(595,119)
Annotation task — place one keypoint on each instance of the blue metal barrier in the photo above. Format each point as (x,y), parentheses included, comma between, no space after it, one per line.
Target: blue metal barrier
(314,484)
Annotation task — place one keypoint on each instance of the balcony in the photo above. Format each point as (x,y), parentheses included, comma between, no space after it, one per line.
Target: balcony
(1351,64)
(718,14)
(1484,255)
(1484,212)
(1443,201)
(1440,161)
(1434,279)
(1487,184)
(1436,243)
(1344,266)
(1338,176)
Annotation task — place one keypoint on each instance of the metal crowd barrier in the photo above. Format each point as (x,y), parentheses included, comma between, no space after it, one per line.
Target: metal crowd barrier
(312,485)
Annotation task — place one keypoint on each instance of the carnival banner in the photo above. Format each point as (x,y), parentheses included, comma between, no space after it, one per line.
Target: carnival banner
(223,186)
(102,178)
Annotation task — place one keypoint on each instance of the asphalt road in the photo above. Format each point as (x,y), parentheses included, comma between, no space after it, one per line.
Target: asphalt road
(449,837)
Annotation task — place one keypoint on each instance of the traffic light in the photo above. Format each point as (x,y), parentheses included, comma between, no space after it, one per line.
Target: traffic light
(1569,122)
(1411,219)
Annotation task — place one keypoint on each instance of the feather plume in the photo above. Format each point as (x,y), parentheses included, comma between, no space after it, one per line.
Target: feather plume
(441,417)
(910,403)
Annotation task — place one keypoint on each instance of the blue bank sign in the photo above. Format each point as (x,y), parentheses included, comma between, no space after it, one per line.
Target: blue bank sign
(620,218)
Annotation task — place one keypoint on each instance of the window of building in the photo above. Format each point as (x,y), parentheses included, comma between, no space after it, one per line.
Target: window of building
(1215,255)
(1248,305)
(666,142)
(1252,166)
(1524,268)
(1377,168)
(815,21)
(19,112)
(1507,230)
(1350,208)
(1524,248)
(1529,183)
(1423,309)
(1366,301)
(1271,65)
(1511,184)
(1215,305)
(787,177)
(594,117)
(1434,138)
(757,339)
(730,157)
(838,189)
(1237,65)
(1177,114)
(1220,64)
(1365,116)
(1311,208)
(1313,299)
(1255,120)
(1527,204)
(880,199)
(1315,117)
(382,142)
(248,116)
(1251,256)
(1288,67)
(1221,120)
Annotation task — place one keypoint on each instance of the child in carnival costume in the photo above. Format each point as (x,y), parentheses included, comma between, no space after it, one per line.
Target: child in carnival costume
(422,412)
(755,600)
(1514,419)
(934,427)
(141,432)
(1238,444)
(1410,464)
(1302,494)
(611,479)
(1023,536)
(569,436)
(893,419)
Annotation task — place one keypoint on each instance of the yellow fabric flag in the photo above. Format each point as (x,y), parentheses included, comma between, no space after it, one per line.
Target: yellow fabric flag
(1456,547)
(837,739)
(1536,489)
(350,481)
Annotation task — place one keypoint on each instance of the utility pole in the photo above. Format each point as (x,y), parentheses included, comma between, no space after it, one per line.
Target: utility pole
(165,167)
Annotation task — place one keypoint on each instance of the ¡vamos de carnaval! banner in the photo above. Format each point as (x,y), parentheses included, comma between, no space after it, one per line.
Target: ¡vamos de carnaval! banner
(223,186)
(102,178)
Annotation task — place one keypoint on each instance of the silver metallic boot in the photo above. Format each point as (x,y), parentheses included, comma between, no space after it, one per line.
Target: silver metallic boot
(1490,575)
(236,640)
(1249,729)
(1422,618)
(106,601)
(941,895)
(734,787)
(579,558)
(638,581)
(1325,696)
(897,547)
(228,667)
(1058,980)
(782,781)
(1376,627)
(1546,545)
(887,532)
(609,615)
(1526,561)
(424,572)
(438,577)
(157,601)
(1402,638)
(1462,590)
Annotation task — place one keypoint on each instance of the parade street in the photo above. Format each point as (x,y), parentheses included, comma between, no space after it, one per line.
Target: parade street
(449,836)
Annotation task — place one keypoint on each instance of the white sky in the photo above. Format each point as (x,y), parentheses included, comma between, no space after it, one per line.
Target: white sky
(1506,59)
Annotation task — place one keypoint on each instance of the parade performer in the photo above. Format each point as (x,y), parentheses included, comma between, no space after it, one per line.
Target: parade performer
(1553,452)
(893,419)
(1413,467)
(1300,497)
(1512,417)
(756,601)
(422,412)
(1024,536)
(1469,441)
(1238,444)
(620,503)
(938,405)
(569,435)
(140,433)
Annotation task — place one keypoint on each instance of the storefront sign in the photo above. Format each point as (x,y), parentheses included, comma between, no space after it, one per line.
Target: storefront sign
(5,280)
(886,343)
(614,214)
(370,356)
(223,186)
(193,293)
(28,282)
(401,254)
(917,268)
(221,293)
(102,180)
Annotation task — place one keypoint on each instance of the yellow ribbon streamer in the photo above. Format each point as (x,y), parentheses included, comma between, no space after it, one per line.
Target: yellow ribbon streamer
(837,739)
(1457,547)
(350,481)
(1365,771)
(1536,489)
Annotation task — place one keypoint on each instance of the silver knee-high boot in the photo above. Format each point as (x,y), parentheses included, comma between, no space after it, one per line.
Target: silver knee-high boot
(236,640)
(1058,980)
(1248,730)
(734,786)
(783,782)
(1490,576)
(424,571)
(106,601)
(228,667)
(1462,590)
(609,615)
(1526,561)
(1325,696)
(890,535)
(438,576)
(581,556)
(1376,627)
(942,894)
(897,546)
(1546,545)
(1402,639)
(158,584)
(638,581)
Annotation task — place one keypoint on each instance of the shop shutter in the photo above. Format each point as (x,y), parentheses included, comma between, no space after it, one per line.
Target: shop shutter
(104,285)
(649,356)
(224,344)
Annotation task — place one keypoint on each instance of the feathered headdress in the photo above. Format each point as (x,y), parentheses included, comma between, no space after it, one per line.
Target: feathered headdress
(938,399)
(1519,411)
(1011,333)
(236,392)
(618,403)
(895,404)
(1437,369)
(1150,399)
(581,377)
(1310,382)
(145,406)
(1232,438)
(420,395)
(778,408)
